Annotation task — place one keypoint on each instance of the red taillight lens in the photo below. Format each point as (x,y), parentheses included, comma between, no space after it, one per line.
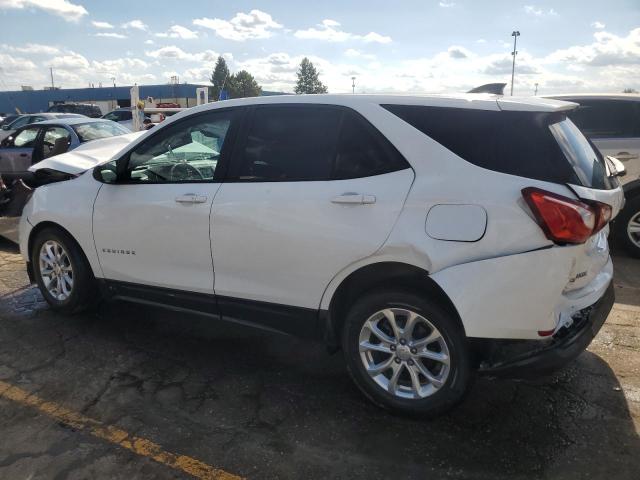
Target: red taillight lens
(603,214)
(562,219)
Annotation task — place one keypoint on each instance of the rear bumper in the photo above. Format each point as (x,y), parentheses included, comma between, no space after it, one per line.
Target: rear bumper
(530,358)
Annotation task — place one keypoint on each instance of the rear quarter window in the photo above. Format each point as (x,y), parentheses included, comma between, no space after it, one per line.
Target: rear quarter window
(516,143)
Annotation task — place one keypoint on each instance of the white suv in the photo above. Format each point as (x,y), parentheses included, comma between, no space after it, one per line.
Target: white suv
(427,237)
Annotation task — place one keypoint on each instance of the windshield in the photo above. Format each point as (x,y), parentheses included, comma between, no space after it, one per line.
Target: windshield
(587,163)
(96,130)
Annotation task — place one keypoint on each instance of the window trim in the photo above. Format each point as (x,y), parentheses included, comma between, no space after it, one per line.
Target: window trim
(237,161)
(122,162)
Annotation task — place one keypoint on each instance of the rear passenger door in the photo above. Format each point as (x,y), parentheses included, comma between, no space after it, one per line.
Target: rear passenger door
(311,189)
(16,151)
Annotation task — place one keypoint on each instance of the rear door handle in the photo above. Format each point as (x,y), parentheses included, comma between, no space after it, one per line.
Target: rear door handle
(352,198)
(191,198)
(625,156)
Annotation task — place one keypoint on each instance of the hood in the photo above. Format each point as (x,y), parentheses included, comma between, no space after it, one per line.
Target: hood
(87,155)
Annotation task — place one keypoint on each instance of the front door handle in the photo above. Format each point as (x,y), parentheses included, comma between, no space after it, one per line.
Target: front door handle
(191,198)
(353,198)
(625,156)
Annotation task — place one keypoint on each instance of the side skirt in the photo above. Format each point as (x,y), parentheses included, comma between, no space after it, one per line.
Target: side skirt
(297,321)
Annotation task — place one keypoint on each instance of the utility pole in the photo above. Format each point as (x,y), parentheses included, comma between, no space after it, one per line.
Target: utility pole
(51,72)
(515,34)
(536,90)
(353,85)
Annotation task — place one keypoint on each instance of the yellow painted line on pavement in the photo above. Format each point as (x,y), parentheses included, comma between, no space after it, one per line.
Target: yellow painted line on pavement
(137,445)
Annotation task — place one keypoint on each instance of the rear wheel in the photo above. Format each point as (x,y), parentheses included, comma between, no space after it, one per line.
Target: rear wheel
(405,353)
(62,272)
(628,226)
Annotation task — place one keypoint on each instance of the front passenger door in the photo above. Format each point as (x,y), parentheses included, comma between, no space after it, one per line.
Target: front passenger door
(16,151)
(151,225)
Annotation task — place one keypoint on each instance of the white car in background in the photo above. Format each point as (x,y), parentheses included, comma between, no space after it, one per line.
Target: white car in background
(421,235)
(612,122)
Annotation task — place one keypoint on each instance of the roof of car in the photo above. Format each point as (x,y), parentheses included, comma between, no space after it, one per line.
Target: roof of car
(467,100)
(596,96)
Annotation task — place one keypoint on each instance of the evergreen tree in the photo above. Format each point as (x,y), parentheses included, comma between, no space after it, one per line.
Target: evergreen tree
(242,84)
(308,81)
(219,77)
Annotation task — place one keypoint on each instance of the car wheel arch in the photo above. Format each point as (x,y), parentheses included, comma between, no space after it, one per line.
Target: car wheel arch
(48,224)
(372,276)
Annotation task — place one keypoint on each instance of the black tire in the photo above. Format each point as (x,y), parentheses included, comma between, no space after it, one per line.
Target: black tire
(460,374)
(630,211)
(84,292)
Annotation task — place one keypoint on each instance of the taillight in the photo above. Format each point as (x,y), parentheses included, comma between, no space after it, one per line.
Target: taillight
(563,219)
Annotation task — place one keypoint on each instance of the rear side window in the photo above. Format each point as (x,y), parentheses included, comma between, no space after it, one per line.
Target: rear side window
(518,143)
(607,118)
(313,142)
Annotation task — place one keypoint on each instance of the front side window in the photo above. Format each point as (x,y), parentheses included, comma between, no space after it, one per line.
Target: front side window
(187,151)
(95,130)
(19,122)
(26,138)
(56,141)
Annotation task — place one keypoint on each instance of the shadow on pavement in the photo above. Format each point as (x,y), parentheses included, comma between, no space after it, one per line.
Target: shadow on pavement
(267,406)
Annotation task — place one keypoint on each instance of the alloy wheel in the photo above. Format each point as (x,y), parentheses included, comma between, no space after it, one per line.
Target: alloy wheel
(404,353)
(56,270)
(633,229)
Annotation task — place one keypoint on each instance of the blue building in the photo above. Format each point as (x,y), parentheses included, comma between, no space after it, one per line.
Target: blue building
(107,98)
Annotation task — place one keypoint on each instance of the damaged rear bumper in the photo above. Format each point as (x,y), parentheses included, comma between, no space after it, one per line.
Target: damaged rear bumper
(525,358)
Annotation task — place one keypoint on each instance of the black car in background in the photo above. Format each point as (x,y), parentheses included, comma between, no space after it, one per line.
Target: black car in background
(92,111)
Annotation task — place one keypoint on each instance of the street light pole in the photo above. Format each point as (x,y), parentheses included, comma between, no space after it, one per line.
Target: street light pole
(515,34)
(536,90)
(353,85)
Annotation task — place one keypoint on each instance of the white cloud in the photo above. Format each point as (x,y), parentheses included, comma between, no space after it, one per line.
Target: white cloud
(10,64)
(105,25)
(136,24)
(176,53)
(607,50)
(110,35)
(329,30)
(243,26)
(71,61)
(178,31)
(458,52)
(32,48)
(598,25)
(149,42)
(446,4)
(353,53)
(539,12)
(63,8)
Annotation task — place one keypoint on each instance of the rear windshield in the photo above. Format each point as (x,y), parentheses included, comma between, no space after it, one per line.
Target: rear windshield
(95,130)
(541,146)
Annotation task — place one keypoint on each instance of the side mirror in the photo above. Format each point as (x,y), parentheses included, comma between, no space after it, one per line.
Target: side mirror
(5,127)
(616,167)
(106,173)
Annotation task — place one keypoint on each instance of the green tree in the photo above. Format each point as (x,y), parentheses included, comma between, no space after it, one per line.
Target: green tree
(629,90)
(242,84)
(308,79)
(219,77)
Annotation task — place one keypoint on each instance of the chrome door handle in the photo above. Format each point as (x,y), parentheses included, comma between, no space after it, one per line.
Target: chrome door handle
(352,198)
(191,198)
(625,156)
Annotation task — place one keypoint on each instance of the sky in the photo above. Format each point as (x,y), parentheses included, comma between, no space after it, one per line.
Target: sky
(406,46)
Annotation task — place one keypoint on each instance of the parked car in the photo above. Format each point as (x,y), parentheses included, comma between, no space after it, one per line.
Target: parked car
(87,109)
(612,122)
(399,229)
(8,119)
(22,120)
(123,116)
(31,144)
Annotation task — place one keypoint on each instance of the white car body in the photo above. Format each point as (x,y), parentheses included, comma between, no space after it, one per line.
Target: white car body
(294,243)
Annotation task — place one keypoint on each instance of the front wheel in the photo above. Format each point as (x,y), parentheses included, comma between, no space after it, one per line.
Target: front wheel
(62,272)
(406,353)
(627,226)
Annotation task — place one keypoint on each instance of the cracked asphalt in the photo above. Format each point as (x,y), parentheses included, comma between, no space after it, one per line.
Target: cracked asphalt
(259,405)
